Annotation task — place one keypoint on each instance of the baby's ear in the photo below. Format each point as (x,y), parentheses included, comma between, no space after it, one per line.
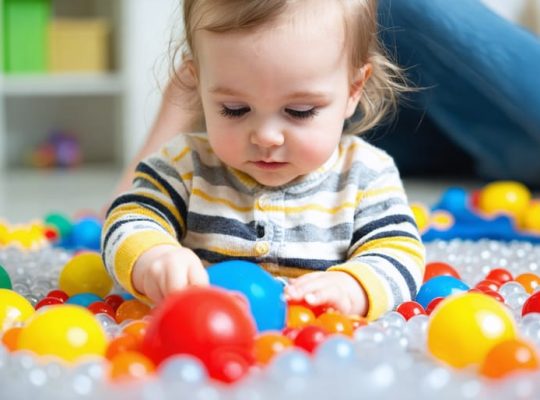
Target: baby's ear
(189,71)
(357,85)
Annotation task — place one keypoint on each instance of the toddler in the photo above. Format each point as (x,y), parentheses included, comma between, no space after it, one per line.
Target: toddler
(274,180)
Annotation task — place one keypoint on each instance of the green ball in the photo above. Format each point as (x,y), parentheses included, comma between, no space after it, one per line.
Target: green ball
(59,221)
(5,281)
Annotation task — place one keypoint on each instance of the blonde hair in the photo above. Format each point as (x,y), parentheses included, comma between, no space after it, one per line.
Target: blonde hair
(381,91)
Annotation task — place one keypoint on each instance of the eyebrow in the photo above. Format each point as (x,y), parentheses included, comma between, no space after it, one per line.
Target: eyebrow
(295,95)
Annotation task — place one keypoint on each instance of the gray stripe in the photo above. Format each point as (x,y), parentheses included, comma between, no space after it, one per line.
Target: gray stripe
(312,233)
(396,292)
(376,209)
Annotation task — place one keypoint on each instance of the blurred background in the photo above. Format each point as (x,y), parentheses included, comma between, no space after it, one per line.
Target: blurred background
(80,85)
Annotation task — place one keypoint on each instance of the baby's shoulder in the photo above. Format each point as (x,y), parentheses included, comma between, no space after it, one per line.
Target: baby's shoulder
(369,155)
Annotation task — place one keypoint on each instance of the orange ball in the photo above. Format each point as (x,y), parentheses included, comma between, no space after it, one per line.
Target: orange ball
(131,309)
(529,281)
(299,316)
(334,322)
(267,345)
(508,357)
(130,365)
(121,344)
(11,338)
(136,329)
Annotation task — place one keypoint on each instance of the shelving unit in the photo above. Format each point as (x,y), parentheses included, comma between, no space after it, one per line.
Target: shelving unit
(86,105)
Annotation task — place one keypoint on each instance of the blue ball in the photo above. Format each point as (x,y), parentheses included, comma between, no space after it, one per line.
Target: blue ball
(86,234)
(263,292)
(83,299)
(439,286)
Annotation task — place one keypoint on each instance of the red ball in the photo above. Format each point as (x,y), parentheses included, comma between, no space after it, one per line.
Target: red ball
(500,275)
(100,307)
(433,304)
(114,300)
(58,294)
(488,284)
(205,322)
(410,308)
(532,304)
(434,269)
(48,301)
(309,337)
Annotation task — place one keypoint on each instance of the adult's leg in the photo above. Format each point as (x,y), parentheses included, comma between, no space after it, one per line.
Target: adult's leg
(481,78)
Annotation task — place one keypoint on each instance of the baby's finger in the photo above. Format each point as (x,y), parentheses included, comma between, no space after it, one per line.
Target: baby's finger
(174,279)
(198,276)
(152,290)
(305,286)
(329,296)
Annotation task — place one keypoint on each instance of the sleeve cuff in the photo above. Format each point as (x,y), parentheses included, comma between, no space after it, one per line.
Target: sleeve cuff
(371,282)
(130,250)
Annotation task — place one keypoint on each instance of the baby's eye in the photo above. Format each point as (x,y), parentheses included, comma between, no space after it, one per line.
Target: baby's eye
(234,111)
(301,113)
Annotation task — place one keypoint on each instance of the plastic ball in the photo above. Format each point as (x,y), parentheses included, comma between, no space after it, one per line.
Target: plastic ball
(268,344)
(5,280)
(463,328)
(83,299)
(130,365)
(121,344)
(60,222)
(438,268)
(309,337)
(263,292)
(500,275)
(58,294)
(299,316)
(85,273)
(410,309)
(333,322)
(531,217)
(454,200)
(47,301)
(67,331)
(14,308)
(508,357)
(531,305)
(208,323)
(529,281)
(131,309)
(86,234)
(439,286)
(507,197)
(10,338)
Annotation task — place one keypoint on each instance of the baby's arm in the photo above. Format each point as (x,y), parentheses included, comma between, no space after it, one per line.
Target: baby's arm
(147,223)
(385,260)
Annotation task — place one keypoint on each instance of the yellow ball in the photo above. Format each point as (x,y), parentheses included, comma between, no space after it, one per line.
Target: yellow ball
(531,218)
(14,308)
(65,331)
(421,216)
(506,197)
(463,328)
(85,273)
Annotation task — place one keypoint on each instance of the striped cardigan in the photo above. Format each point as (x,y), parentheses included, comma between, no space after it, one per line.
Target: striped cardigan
(350,215)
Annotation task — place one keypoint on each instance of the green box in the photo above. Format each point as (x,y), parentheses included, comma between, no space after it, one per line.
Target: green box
(25,35)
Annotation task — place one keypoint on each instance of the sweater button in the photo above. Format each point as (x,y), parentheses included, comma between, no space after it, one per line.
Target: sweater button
(262,248)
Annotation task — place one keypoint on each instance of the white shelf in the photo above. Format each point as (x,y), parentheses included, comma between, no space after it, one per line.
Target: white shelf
(62,85)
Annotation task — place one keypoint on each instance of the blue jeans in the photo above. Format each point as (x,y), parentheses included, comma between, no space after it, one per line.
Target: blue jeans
(480,76)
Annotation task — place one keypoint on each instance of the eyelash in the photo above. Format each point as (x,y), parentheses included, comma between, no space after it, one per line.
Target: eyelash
(239,112)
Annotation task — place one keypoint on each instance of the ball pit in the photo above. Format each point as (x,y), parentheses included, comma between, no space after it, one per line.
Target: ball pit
(318,354)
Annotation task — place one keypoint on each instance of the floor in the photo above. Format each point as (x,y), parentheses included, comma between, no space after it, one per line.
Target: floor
(27,195)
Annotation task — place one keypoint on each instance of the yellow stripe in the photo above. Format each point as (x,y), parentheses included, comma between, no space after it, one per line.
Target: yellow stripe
(130,250)
(180,155)
(232,252)
(396,243)
(153,181)
(230,204)
(187,176)
(383,190)
(132,208)
(376,294)
(171,208)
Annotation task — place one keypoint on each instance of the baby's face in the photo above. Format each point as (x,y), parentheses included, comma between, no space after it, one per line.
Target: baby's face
(275,100)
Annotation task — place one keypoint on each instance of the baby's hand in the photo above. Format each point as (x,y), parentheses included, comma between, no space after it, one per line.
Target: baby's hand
(165,269)
(335,289)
